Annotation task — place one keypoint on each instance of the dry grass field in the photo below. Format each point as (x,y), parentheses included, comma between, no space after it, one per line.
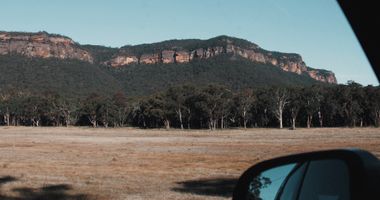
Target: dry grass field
(86,163)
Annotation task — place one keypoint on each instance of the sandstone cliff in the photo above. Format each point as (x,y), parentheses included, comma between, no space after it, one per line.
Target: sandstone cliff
(42,45)
(223,45)
(46,45)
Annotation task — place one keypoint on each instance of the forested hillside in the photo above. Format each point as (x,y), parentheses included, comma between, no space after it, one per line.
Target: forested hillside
(42,62)
(69,78)
(50,80)
(77,79)
(235,74)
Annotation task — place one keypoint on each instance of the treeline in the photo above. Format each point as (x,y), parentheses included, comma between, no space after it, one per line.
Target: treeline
(210,107)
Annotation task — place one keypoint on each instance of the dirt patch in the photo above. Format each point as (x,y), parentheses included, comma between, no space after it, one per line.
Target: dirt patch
(125,163)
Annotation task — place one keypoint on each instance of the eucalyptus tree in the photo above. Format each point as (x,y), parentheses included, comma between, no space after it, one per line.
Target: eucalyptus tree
(244,101)
(120,109)
(213,100)
(261,110)
(311,101)
(176,98)
(92,108)
(295,104)
(190,93)
(349,99)
(330,107)
(280,98)
(373,109)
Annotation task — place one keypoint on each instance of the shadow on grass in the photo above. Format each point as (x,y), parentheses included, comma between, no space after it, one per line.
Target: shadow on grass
(56,192)
(7,179)
(221,187)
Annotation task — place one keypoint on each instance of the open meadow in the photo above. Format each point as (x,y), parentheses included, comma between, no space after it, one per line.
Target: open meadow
(126,163)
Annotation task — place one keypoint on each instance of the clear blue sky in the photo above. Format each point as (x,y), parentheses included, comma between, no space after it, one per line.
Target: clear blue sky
(315,29)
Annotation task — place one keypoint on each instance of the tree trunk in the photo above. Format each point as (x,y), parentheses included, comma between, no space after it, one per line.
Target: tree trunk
(13,121)
(58,121)
(167,124)
(244,119)
(7,119)
(67,119)
(144,123)
(180,118)
(94,124)
(34,122)
(320,119)
(188,118)
(222,123)
(279,117)
(293,123)
(92,120)
(213,124)
(309,119)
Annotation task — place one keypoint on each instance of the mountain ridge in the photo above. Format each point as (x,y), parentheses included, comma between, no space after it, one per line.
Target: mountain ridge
(183,51)
(46,45)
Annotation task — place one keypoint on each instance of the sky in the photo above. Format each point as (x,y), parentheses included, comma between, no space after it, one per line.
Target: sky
(317,30)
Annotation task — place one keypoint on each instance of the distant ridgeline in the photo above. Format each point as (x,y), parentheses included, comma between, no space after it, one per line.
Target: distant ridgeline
(37,62)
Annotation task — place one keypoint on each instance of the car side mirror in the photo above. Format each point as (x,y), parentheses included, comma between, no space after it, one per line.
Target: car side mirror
(351,174)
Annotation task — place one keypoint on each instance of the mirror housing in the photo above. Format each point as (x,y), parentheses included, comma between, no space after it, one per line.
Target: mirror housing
(363,170)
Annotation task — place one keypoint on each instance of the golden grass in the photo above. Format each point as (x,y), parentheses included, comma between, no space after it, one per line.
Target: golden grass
(127,163)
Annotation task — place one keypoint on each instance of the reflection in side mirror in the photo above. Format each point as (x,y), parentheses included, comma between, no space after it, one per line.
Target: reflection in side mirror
(266,184)
(329,175)
(320,180)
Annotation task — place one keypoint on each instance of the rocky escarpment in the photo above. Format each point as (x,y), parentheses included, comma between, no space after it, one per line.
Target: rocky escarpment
(42,45)
(46,45)
(225,45)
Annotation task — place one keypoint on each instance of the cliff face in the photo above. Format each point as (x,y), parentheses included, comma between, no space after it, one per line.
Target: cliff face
(287,62)
(46,45)
(42,45)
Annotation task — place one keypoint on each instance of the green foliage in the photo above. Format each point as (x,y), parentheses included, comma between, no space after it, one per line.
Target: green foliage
(372,108)
(18,33)
(243,102)
(236,74)
(100,53)
(77,79)
(211,106)
(69,78)
(222,91)
(185,44)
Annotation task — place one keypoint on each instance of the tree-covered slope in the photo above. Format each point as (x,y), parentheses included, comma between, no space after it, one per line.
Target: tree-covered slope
(40,62)
(223,70)
(184,51)
(77,79)
(67,77)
